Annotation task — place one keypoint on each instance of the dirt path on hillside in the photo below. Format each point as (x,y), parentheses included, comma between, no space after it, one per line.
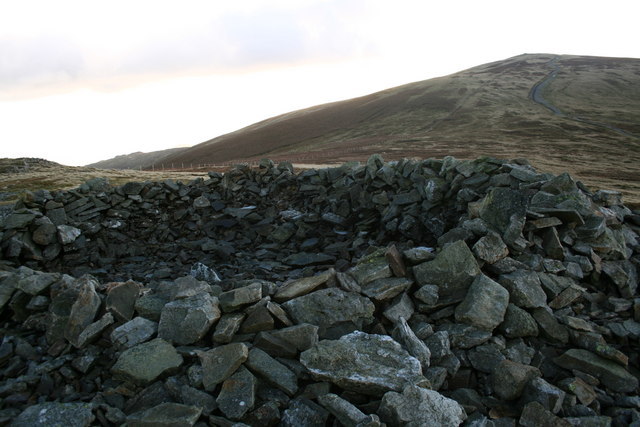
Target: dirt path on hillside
(535,94)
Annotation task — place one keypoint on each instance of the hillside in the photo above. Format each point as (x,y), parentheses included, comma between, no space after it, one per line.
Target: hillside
(575,113)
(137,160)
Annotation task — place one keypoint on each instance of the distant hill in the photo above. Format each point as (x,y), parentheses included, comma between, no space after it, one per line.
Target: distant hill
(137,160)
(564,113)
(575,113)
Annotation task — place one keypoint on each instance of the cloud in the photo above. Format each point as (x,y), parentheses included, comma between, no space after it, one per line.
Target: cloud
(36,61)
(132,44)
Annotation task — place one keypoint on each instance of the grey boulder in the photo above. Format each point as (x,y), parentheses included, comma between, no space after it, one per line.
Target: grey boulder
(453,270)
(185,321)
(327,308)
(484,305)
(145,362)
(361,362)
(417,406)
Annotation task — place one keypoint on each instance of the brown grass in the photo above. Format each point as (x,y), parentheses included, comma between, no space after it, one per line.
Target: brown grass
(13,184)
(485,110)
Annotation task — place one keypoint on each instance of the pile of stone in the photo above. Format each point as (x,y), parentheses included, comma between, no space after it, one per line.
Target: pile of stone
(436,292)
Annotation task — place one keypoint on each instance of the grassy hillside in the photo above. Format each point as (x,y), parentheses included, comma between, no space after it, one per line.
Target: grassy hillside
(138,160)
(485,110)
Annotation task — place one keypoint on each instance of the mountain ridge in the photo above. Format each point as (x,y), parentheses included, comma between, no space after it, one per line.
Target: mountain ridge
(136,160)
(490,109)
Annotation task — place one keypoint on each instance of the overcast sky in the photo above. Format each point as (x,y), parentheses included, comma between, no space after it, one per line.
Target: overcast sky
(82,81)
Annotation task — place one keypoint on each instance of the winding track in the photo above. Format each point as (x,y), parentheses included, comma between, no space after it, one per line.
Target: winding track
(535,94)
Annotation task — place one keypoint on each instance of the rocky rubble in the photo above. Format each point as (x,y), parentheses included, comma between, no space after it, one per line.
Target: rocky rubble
(435,292)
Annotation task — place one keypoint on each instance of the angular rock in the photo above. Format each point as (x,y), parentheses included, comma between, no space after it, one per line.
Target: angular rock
(227,326)
(18,220)
(583,391)
(609,373)
(166,414)
(121,300)
(302,286)
(303,412)
(84,310)
(55,414)
(204,273)
(418,406)
(552,244)
(453,270)
(548,395)
(348,283)
(368,364)
(566,297)
(549,325)
(278,313)
(509,379)
(485,358)
(553,284)
(134,332)
(274,346)
(465,336)
(387,288)
(220,363)
(624,274)
(535,415)
(394,258)
(236,298)
(272,371)
(299,337)
(428,295)
(490,248)
(145,362)
(419,254)
(257,320)
(370,269)
(500,205)
(185,321)
(401,306)
(415,346)
(60,310)
(439,344)
(68,234)
(238,394)
(201,202)
(193,397)
(345,412)
(150,306)
(327,308)
(34,284)
(518,323)
(91,332)
(184,287)
(7,288)
(524,288)
(484,305)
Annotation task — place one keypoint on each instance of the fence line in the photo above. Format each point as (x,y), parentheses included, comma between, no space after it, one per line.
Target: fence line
(307,157)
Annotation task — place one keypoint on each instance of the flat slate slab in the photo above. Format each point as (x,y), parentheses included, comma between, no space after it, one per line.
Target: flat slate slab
(328,307)
(612,375)
(145,362)
(361,362)
(55,414)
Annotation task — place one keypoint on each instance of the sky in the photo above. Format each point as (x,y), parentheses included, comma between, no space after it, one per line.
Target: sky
(83,81)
